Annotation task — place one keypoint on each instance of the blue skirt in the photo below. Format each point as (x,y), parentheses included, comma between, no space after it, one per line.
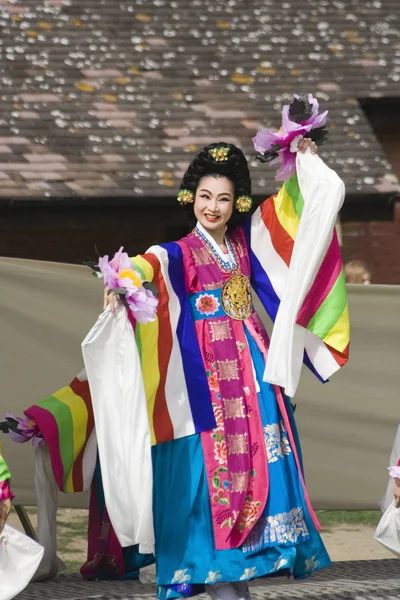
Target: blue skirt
(284,538)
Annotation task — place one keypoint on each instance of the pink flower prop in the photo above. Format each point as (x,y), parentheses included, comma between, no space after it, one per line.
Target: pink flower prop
(207,304)
(120,276)
(299,118)
(21,430)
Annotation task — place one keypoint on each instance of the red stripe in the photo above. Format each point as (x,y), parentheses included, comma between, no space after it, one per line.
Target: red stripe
(81,388)
(340,357)
(324,281)
(163,428)
(281,240)
(48,427)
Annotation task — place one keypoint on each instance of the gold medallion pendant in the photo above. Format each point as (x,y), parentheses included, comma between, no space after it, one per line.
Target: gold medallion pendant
(236,297)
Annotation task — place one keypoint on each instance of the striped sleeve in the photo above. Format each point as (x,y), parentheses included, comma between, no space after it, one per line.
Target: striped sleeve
(297,273)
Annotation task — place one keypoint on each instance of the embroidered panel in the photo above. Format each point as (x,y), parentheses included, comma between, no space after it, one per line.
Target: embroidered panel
(220,331)
(228,369)
(238,482)
(233,408)
(237,443)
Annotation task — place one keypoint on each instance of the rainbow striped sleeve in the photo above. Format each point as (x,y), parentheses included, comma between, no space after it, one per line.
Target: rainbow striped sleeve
(65,419)
(176,388)
(271,234)
(175,384)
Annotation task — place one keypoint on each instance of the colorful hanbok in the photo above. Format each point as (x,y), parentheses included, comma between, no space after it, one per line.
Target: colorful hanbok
(199,431)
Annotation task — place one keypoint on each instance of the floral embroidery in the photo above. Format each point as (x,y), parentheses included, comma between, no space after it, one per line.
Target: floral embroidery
(207,304)
(276,442)
(220,452)
(248,514)
(311,565)
(212,377)
(213,576)
(280,563)
(281,529)
(181,576)
(219,416)
(249,573)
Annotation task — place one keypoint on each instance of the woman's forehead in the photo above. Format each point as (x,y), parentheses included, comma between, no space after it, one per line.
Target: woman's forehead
(216,184)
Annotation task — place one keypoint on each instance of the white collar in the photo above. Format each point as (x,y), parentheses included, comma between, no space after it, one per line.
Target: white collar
(227,258)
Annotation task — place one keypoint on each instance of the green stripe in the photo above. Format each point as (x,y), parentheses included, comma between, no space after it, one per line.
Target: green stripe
(138,340)
(4,470)
(293,189)
(330,310)
(63,417)
(139,270)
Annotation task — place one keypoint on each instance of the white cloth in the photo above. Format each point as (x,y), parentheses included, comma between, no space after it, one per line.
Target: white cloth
(323,193)
(394,458)
(123,432)
(388,530)
(47,503)
(19,558)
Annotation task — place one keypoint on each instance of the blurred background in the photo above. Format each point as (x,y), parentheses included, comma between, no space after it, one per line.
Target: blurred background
(104,103)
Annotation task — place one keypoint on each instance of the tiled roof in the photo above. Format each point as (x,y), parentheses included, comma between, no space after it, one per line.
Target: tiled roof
(111,98)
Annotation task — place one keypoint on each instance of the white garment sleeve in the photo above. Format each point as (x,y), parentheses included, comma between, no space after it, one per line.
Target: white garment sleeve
(323,193)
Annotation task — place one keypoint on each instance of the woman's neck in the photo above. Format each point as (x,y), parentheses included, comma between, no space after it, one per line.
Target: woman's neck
(217,235)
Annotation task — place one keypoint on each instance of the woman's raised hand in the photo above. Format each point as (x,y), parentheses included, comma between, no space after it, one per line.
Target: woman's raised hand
(111,300)
(307,143)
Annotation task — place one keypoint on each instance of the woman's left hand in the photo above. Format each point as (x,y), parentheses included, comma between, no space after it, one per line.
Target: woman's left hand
(307,143)
(5,507)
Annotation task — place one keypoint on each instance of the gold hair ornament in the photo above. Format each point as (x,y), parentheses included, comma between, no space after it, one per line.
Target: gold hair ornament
(220,154)
(244,203)
(185,197)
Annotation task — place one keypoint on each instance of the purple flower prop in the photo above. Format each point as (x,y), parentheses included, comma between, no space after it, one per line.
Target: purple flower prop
(299,118)
(120,276)
(21,430)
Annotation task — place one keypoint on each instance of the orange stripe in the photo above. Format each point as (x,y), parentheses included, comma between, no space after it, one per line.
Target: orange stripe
(81,388)
(281,240)
(163,428)
(340,357)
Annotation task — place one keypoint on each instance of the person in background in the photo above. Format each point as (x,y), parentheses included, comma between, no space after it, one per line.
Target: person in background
(356,271)
(5,493)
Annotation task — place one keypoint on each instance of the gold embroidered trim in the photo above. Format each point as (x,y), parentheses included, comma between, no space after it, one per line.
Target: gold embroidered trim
(238,482)
(228,369)
(237,443)
(220,331)
(233,408)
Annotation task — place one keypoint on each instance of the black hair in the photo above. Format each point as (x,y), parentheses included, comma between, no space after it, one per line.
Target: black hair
(235,168)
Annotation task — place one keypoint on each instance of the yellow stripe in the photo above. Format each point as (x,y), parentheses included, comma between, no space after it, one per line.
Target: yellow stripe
(145,266)
(339,335)
(150,368)
(79,419)
(149,349)
(285,212)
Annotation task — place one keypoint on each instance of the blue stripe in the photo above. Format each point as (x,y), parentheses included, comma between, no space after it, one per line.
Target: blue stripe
(260,281)
(193,367)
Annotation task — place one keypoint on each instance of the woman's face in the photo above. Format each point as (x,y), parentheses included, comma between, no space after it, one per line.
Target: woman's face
(213,202)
